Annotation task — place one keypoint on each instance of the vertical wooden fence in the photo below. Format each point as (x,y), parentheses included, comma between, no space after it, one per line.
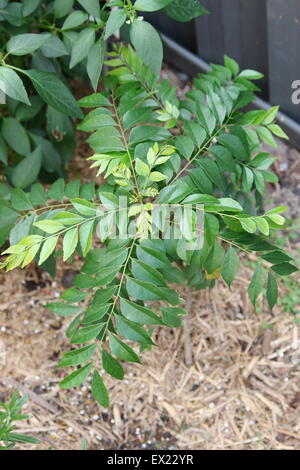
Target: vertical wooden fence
(259,34)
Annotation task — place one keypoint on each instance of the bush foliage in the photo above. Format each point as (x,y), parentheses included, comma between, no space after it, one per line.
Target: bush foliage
(199,154)
(10,413)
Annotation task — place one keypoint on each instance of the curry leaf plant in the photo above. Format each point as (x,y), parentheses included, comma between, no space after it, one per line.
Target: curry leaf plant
(42,44)
(11,413)
(154,151)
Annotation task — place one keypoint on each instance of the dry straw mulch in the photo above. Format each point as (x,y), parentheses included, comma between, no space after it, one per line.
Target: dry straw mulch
(241,391)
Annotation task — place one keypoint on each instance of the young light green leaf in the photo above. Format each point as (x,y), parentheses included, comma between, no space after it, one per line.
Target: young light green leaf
(232,65)
(141,168)
(70,243)
(49,226)
(276,218)
(270,115)
(68,218)
(262,225)
(30,255)
(84,207)
(266,136)
(248,224)
(157,176)
(251,74)
(86,236)
(276,130)
(47,249)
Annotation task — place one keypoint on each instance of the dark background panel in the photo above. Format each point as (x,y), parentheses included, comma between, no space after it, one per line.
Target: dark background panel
(183,33)
(260,34)
(284,53)
(236,28)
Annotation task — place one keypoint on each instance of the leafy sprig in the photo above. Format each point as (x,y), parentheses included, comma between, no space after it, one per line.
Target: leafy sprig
(207,160)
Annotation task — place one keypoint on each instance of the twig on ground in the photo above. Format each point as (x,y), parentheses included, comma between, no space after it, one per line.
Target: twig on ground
(188,353)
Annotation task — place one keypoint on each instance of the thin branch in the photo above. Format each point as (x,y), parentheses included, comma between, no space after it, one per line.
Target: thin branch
(188,350)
